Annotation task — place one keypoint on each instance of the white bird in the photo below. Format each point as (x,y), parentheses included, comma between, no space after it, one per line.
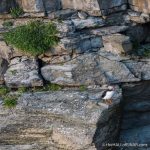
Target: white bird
(108,94)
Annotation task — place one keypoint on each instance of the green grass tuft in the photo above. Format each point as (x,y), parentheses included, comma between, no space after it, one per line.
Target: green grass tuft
(53,87)
(9,101)
(22,90)
(7,24)
(82,88)
(3,91)
(34,38)
(16,12)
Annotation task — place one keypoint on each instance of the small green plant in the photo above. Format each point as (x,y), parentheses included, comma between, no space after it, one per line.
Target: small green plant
(34,38)
(82,88)
(146,53)
(9,101)
(22,90)
(14,72)
(7,24)
(53,87)
(16,12)
(3,91)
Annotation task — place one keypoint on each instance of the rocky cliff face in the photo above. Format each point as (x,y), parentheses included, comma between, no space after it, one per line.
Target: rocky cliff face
(101,43)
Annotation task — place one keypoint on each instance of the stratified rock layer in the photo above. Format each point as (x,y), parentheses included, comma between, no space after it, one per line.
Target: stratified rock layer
(66,119)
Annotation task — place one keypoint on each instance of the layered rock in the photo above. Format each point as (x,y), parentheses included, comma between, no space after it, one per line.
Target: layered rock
(23,71)
(66,119)
(88,69)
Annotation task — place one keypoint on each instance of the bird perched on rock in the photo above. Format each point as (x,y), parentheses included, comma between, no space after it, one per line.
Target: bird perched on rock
(108,94)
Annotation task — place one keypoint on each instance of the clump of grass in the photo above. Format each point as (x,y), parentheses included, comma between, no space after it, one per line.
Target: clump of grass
(3,91)
(34,38)
(7,24)
(146,53)
(22,90)
(16,12)
(53,87)
(48,87)
(82,88)
(9,101)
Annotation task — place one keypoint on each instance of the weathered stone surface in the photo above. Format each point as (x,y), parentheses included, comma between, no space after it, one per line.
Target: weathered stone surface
(108,6)
(82,15)
(80,43)
(108,30)
(141,69)
(88,69)
(88,23)
(92,7)
(141,6)
(5,50)
(3,68)
(8,52)
(23,71)
(61,119)
(56,59)
(32,5)
(117,43)
(95,7)
(137,17)
(62,14)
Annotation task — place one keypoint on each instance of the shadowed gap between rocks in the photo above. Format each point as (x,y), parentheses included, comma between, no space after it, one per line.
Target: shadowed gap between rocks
(135,122)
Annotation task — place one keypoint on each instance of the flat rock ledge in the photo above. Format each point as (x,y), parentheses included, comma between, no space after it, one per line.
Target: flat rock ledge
(67,119)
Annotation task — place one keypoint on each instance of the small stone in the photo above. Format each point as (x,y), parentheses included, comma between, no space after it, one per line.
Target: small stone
(82,15)
(23,71)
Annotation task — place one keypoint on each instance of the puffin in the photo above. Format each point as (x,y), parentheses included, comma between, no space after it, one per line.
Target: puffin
(108,94)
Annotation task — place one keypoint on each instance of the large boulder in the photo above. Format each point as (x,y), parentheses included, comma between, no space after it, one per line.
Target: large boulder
(88,69)
(23,71)
(67,119)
